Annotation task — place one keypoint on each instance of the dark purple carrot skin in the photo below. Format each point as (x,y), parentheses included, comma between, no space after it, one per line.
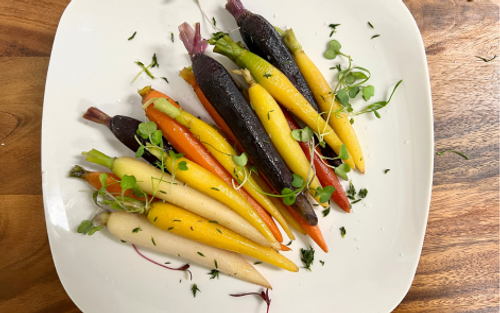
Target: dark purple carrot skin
(328,152)
(262,39)
(221,90)
(125,130)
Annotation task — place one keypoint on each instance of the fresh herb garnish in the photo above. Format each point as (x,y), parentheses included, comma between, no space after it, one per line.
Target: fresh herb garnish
(215,262)
(375,36)
(132,37)
(165,79)
(195,289)
(485,59)
(214,273)
(371,25)
(304,135)
(153,240)
(170,228)
(266,75)
(213,188)
(257,263)
(322,263)
(454,151)
(136,230)
(172,38)
(214,21)
(264,296)
(268,115)
(386,171)
(334,28)
(307,257)
(289,244)
(342,231)
(368,92)
(201,254)
(324,194)
(218,230)
(213,222)
(155,62)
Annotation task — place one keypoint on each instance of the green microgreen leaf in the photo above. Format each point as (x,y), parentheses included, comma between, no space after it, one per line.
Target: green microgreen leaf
(363,193)
(342,171)
(103,178)
(368,92)
(132,37)
(454,151)
(93,230)
(156,137)
(380,104)
(343,97)
(182,166)
(304,135)
(240,160)
(343,153)
(333,50)
(127,182)
(139,152)
(324,194)
(291,195)
(147,129)
(85,227)
(307,257)
(351,121)
(353,92)
(297,180)
(253,168)
(145,69)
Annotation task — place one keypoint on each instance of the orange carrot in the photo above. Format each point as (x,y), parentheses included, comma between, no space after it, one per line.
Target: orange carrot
(285,248)
(184,141)
(188,76)
(313,231)
(113,182)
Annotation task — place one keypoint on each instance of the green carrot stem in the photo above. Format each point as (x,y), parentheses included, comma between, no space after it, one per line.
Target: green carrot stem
(291,41)
(164,106)
(227,47)
(100,158)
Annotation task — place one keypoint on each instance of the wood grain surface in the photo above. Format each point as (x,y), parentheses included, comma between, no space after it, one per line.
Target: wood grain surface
(459,267)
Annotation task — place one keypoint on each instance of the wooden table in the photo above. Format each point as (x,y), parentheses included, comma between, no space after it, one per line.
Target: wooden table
(459,267)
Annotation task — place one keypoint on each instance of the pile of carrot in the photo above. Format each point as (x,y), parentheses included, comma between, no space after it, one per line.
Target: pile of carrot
(209,190)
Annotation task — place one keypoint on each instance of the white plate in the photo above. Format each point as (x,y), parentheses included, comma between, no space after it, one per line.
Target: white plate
(92,64)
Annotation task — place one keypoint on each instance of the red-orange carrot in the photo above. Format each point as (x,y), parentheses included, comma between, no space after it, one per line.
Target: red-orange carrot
(325,174)
(93,179)
(184,141)
(313,231)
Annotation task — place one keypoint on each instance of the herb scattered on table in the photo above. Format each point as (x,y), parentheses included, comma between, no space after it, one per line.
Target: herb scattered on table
(454,151)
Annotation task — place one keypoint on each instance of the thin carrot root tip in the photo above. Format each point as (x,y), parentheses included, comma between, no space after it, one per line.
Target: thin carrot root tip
(77,172)
(236,8)
(97,116)
(192,39)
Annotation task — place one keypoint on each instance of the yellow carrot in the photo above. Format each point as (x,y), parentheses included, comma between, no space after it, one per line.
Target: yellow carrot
(325,98)
(273,120)
(222,151)
(278,85)
(183,223)
(152,181)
